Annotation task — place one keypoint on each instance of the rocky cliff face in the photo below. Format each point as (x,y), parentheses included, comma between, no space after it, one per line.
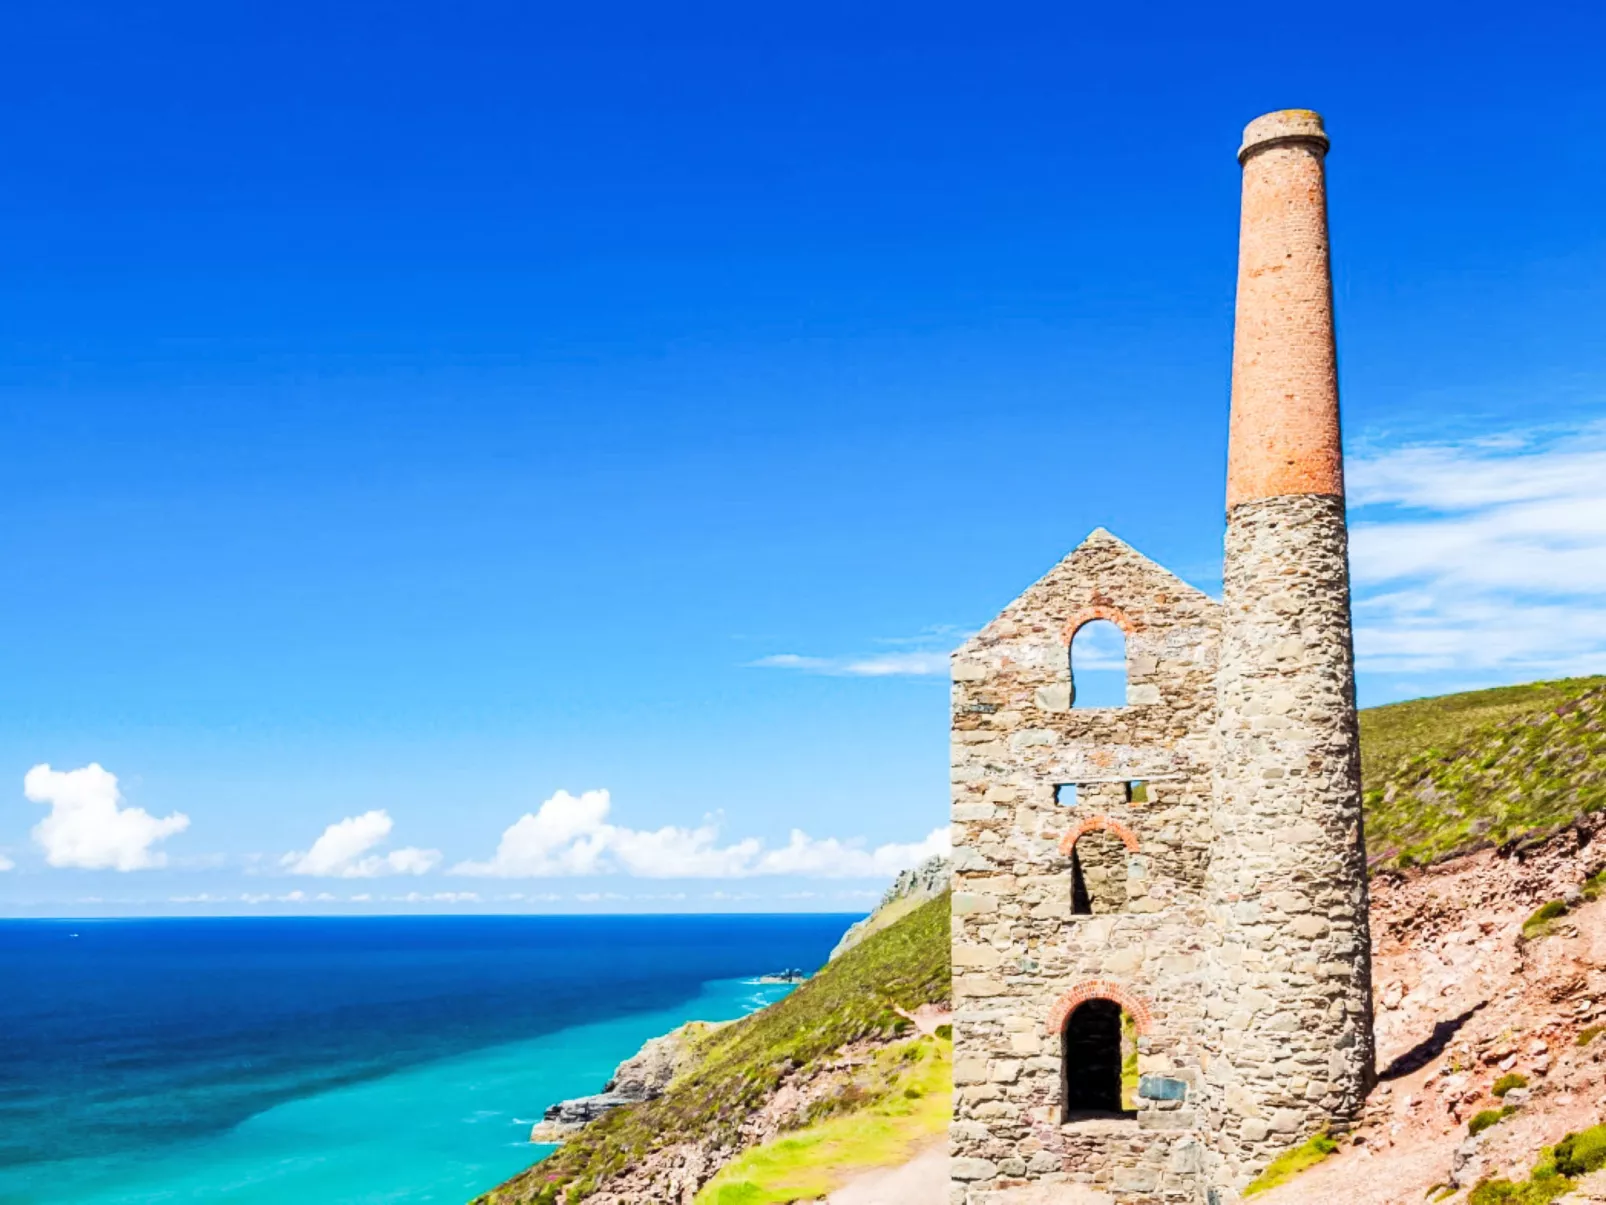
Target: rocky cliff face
(908,891)
(643,1076)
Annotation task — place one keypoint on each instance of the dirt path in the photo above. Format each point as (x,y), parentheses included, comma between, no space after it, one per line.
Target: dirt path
(921,1181)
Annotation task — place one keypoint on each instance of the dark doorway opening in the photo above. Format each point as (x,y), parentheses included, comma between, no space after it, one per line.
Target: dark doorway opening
(1098,874)
(1081,897)
(1091,1067)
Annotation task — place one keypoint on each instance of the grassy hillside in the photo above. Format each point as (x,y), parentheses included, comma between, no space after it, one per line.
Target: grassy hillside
(1443,776)
(905,964)
(901,1099)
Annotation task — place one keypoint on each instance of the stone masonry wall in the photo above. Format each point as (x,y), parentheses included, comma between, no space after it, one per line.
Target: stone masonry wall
(1022,960)
(1290,1026)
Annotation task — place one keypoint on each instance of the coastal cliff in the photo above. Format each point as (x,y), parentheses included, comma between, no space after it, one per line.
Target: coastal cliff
(908,891)
(642,1077)
(864,1042)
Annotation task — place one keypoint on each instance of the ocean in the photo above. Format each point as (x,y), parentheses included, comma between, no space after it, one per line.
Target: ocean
(338,1060)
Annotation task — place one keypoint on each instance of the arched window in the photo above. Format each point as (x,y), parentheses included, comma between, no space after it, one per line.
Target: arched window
(1098,873)
(1099,1064)
(1098,665)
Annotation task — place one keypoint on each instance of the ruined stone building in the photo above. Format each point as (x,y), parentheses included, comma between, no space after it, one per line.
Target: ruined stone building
(1180,880)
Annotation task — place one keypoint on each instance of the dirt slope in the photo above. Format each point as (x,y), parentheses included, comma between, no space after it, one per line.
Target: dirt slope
(1463,997)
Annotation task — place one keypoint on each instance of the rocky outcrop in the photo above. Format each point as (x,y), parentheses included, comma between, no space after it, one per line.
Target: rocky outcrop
(643,1076)
(908,891)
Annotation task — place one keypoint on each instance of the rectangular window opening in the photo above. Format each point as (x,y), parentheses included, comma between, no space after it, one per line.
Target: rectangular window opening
(1137,791)
(1065,794)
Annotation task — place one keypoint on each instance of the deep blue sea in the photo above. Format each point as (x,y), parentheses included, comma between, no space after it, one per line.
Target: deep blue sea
(311,1061)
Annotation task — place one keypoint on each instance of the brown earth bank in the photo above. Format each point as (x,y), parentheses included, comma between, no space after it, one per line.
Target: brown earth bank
(1465,997)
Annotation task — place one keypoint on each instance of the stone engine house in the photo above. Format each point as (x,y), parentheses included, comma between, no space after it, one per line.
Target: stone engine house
(1177,883)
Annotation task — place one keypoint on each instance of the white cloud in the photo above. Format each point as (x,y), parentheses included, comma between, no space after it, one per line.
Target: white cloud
(6,863)
(1482,555)
(922,656)
(342,851)
(1100,645)
(571,835)
(873,665)
(87,826)
(789,661)
(681,853)
(830,858)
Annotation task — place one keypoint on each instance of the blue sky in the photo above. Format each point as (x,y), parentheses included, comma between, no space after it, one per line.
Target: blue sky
(413,413)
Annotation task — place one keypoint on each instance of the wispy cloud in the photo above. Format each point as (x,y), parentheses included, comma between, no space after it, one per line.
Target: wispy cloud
(1482,555)
(921,656)
(572,835)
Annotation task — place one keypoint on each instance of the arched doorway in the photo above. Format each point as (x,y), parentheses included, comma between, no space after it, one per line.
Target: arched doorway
(1094,1062)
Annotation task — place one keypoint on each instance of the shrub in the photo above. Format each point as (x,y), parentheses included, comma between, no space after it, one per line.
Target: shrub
(1489,1117)
(1538,924)
(1529,1192)
(1586,1036)
(1507,1082)
(1581,1153)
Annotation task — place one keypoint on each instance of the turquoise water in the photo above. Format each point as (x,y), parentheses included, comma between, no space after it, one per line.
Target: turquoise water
(444,1131)
(338,1061)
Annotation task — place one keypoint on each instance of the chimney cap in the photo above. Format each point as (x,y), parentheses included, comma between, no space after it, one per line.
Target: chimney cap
(1283,127)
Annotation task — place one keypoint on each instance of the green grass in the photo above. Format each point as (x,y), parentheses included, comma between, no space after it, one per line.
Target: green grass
(1575,1155)
(1398,731)
(1528,1192)
(905,964)
(1538,925)
(814,1161)
(1489,1117)
(1290,1163)
(1129,1062)
(1586,1036)
(1512,1079)
(1595,885)
(1444,776)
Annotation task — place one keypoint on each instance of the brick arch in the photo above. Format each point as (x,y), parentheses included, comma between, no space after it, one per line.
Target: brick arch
(1097,611)
(1094,823)
(1100,989)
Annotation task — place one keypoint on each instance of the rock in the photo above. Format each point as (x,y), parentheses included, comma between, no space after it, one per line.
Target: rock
(925,882)
(1466,1163)
(643,1076)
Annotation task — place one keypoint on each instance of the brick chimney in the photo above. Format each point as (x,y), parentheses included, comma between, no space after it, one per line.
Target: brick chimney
(1284,432)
